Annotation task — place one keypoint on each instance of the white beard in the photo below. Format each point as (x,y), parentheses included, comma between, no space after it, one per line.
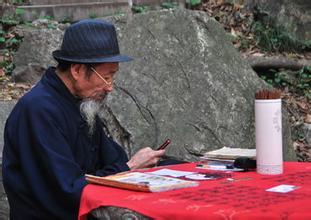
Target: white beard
(89,109)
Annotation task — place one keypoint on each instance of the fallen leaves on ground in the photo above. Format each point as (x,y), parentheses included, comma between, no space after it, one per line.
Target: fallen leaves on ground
(10,90)
(303,151)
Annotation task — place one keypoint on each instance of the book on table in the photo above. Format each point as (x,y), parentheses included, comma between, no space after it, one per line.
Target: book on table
(139,181)
(228,154)
(224,158)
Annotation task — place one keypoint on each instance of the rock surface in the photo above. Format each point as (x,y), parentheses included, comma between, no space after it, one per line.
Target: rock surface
(111,213)
(307,132)
(6,107)
(295,15)
(34,54)
(187,83)
(4,205)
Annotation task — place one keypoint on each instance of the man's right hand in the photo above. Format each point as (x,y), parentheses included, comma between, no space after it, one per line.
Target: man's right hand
(144,158)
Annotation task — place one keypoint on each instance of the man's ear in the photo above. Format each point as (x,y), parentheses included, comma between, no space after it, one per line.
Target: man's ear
(77,71)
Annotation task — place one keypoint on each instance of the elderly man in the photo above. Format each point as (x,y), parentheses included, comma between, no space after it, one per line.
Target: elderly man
(53,135)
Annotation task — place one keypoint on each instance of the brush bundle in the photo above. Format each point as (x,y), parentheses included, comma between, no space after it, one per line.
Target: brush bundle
(268,94)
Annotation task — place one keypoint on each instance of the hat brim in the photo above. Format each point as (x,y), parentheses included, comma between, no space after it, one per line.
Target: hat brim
(57,54)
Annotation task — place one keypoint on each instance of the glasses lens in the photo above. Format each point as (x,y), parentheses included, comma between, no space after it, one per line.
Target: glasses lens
(107,80)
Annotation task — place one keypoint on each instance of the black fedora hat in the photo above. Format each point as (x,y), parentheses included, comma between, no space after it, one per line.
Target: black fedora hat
(90,41)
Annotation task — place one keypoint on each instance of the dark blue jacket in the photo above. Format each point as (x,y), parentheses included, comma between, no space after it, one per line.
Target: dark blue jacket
(47,151)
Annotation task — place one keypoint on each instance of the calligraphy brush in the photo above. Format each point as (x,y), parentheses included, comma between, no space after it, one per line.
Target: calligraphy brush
(268,94)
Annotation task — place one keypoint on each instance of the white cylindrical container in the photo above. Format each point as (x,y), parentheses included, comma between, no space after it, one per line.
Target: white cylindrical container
(268,125)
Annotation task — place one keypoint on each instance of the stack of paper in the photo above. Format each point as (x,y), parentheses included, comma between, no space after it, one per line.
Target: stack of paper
(229,154)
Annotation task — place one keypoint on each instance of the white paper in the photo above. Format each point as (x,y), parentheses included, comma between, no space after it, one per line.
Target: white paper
(232,152)
(200,176)
(169,172)
(283,188)
(219,168)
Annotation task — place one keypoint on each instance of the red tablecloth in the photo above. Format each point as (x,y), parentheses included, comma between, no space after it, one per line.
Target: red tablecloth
(242,196)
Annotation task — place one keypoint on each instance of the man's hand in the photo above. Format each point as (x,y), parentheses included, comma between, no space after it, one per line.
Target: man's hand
(144,158)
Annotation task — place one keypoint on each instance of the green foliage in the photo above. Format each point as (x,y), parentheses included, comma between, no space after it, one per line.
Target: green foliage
(51,26)
(13,43)
(9,42)
(47,17)
(277,39)
(274,37)
(93,15)
(119,13)
(193,3)
(140,8)
(2,39)
(66,20)
(18,2)
(169,5)
(245,43)
(6,64)
(298,82)
(276,79)
(9,20)
(19,11)
(304,81)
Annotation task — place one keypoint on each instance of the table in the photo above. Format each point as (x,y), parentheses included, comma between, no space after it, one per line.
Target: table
(235,195)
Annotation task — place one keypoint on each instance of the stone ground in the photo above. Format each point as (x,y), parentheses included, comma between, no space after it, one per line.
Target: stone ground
(4,206)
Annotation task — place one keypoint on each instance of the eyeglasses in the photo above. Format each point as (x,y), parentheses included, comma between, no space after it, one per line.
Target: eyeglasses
(105,81)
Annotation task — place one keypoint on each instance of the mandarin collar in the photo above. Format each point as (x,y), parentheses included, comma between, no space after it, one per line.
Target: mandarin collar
(52,79)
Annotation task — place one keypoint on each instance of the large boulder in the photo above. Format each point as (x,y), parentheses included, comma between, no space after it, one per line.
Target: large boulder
(187,83)
(34,54)
(294,15)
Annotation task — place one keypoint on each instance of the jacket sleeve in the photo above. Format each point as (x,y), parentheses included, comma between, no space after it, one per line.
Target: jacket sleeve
(112,154)
(115,166)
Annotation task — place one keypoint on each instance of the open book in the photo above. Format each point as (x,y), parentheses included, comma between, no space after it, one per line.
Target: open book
(141,182)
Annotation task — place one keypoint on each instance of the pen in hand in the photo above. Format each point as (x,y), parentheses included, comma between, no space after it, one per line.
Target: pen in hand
(164,145)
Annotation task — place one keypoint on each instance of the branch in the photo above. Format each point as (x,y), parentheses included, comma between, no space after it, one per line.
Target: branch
(276,62)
